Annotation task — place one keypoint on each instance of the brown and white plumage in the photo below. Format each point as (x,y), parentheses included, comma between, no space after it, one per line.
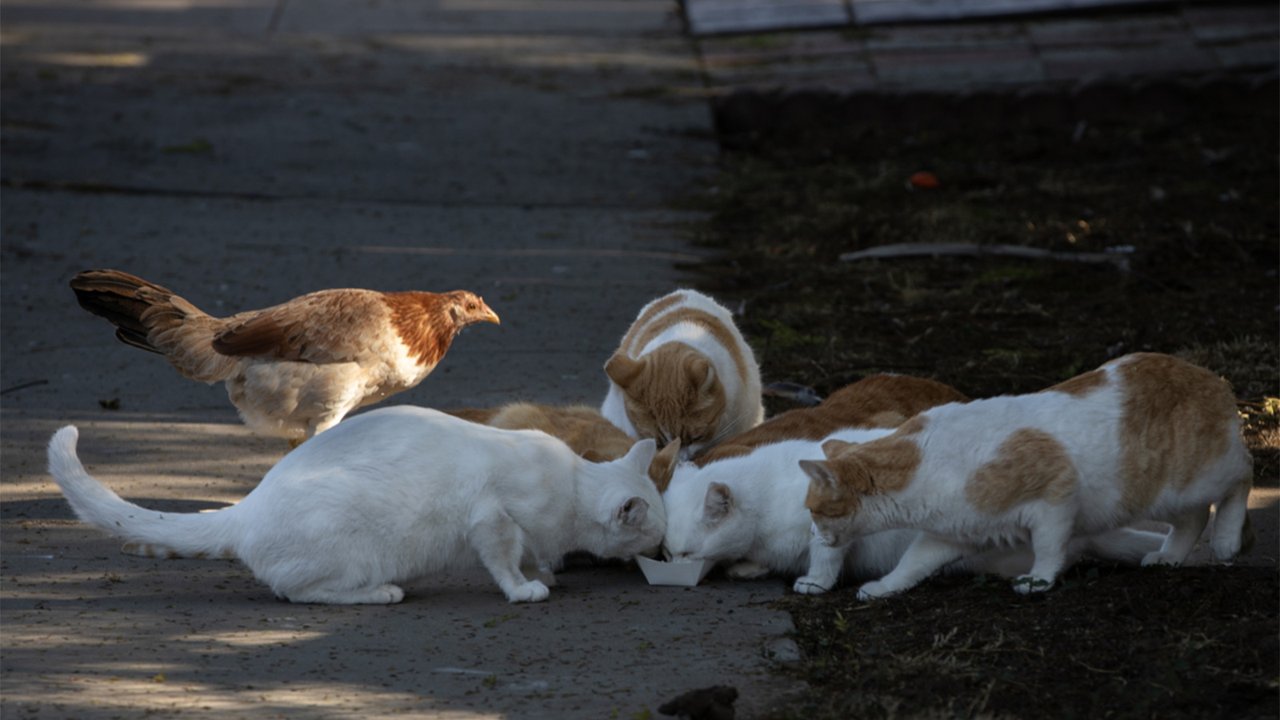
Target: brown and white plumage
(294,369)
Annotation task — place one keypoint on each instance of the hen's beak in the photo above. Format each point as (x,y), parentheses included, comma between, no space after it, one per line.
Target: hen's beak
(486,314)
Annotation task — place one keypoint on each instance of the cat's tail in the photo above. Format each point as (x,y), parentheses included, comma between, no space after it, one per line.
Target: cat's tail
(182,534)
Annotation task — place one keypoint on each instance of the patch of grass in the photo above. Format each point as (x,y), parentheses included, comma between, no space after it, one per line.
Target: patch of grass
(1192,189)
(1109,642)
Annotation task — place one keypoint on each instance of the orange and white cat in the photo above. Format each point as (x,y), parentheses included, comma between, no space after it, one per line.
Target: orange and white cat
(683,372)
(1146,436)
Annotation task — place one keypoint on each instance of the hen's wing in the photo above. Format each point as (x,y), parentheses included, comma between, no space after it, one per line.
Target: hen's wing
(329,326)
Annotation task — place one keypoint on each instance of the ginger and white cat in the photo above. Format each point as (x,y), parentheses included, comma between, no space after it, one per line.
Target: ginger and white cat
(1146,436)
(683,372)
(395,494)
(748,506)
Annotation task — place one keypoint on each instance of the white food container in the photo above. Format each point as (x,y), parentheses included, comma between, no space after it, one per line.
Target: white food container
(683,573)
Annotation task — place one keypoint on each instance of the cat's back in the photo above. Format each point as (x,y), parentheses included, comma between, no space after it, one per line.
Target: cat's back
(886,400)
(690,317)
(1135,425)
(877,401)
(410,446)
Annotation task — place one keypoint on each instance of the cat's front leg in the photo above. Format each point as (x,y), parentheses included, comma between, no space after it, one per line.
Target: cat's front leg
(499,543)
(1050,542)
(746,570)
(540,570)
(825,563)
(925,556)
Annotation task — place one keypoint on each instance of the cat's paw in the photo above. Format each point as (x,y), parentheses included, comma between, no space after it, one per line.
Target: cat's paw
(746,570)
(810,586)
(874,591)
(1161,557)
(532,591)
(1027,584)
(389,594)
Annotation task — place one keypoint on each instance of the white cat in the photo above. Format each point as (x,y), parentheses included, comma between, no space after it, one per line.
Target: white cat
(749,510)
(683,372)
(1145,436)
(395,494)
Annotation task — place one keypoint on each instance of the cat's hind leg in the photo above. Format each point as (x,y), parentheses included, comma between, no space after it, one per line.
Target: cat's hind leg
(1232,531)
(386,594)
(926,555)
(825,563)
(497,540)
(150,550)
(1181,539)
(746,570)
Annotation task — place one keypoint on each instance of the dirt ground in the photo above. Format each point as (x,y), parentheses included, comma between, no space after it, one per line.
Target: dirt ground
(1178,179)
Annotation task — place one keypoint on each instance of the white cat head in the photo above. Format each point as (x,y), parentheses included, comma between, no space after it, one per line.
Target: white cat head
(705,520)
(628,516)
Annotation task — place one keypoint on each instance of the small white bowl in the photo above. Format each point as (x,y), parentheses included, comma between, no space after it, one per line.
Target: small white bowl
(683,573)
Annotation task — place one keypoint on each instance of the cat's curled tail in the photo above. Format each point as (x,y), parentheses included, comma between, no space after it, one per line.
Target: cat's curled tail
(182,534)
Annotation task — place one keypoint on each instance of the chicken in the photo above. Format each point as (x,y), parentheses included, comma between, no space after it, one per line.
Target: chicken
(295,369)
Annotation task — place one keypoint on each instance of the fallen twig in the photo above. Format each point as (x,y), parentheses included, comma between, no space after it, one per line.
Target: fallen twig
(1120,260)
(23,386)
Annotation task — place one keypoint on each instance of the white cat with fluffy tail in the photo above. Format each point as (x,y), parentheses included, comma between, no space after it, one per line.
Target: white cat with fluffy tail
(396,494)
(683,372)
(1146,436)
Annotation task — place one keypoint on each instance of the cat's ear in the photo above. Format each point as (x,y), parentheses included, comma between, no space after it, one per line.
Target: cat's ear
(820,473)
(701,373)
(623,369)
(640,456)
(832,448)
(632,512)
(663,466)
(718,503)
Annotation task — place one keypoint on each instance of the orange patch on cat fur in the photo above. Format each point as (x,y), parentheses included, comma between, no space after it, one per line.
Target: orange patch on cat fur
(582,428)
(1082,384)
(1029,465)
(657,308)
(884,465)
(1177,417)
(673,386)
(642,333)
(875,401)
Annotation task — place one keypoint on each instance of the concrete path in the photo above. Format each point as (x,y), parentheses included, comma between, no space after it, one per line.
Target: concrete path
(244,153)
(996,54)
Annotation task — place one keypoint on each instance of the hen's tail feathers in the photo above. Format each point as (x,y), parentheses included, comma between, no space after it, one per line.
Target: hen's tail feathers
(154,318)
(185,534)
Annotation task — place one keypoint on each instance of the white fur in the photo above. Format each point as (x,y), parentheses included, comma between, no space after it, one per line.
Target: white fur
(764,526)
(395,494)
(744,408)
(959,438)
(750,509)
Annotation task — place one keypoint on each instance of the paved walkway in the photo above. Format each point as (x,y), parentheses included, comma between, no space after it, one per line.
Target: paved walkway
(245,153)
(1164,40)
